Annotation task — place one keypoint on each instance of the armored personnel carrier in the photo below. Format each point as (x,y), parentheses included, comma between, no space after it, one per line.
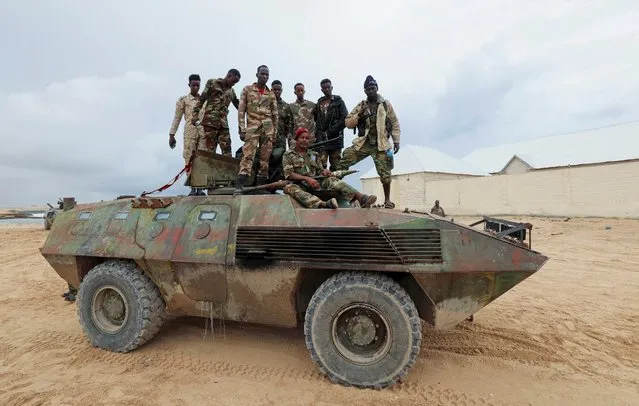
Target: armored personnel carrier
(359,281)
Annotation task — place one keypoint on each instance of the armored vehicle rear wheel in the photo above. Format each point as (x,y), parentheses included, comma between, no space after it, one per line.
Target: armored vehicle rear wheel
(119,306)
(362,329)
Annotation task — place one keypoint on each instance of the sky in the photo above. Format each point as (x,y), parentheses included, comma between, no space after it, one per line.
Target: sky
(88,89)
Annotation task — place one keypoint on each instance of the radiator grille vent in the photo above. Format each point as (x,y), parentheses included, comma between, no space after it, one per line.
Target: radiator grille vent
(335,244)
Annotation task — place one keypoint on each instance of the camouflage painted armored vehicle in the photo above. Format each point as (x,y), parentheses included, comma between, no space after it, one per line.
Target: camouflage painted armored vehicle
(359,281)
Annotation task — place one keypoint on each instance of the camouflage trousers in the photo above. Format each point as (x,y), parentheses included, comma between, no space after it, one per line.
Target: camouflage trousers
(335,157)
(192,142)
(217,136)
(257,139)
(383,164)
(303,193)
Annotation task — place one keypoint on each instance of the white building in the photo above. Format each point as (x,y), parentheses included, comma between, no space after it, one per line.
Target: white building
(414,167)
(587,173)
(598,146)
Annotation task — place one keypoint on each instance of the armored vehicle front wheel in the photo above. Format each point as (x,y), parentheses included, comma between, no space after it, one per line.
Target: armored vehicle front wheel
(119,306)
(362,329)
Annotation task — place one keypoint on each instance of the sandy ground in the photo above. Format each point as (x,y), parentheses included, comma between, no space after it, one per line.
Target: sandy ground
(567,335)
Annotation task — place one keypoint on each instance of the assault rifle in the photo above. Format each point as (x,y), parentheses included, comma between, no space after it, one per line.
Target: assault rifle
(318,144)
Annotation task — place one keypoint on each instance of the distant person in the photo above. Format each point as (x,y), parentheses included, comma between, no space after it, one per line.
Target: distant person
(301,165)
(302,113)
(184,108)
(329,114)
(71,294)
(438,210)
(376,122)
(218,94)
(258,118)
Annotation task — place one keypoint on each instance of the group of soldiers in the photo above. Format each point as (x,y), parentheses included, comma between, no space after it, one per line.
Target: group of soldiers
(270,126)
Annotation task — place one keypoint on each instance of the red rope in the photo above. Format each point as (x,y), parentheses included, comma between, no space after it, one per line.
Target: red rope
(187,169)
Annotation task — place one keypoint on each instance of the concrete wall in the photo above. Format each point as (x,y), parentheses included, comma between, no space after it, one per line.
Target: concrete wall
(604,190)
(408,190)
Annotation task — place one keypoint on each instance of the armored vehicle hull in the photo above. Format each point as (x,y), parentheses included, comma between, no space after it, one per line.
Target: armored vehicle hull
(357,280)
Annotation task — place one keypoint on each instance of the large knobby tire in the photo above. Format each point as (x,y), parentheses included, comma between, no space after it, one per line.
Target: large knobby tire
(363,330)
(119,306)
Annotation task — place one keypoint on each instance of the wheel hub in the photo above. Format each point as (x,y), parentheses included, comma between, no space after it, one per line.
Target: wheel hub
(109,309)
(361,334)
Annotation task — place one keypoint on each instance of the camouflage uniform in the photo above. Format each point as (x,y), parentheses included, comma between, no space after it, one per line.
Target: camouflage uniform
(261,123)
(285,129)
(184,108)
(309,165)
(215,123)
(302,118)
(372,139)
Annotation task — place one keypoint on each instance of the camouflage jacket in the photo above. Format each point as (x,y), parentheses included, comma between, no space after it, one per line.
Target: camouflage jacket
(303,116)
(306,165)
(184,108)
(285,124)
(386,120)
(217,100)
(257,109)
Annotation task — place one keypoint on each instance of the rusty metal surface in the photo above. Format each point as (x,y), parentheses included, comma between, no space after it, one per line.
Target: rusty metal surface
(239,257)
(458,295)
(150,202)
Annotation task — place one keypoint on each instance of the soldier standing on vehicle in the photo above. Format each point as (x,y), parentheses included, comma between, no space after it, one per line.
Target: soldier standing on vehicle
(218,94)
(192,133)
(438,210)
(376,122)
(184,108)
(258,121)
(284,128)
(329,115)
(302,113)
(301,165)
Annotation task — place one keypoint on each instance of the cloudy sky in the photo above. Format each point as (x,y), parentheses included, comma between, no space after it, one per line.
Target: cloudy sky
(88,89)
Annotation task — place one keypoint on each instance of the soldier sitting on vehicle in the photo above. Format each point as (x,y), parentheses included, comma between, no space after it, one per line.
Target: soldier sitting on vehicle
(301,165)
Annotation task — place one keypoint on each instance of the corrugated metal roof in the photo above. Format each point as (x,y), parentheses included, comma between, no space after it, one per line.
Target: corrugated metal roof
(414,159)
(607,144)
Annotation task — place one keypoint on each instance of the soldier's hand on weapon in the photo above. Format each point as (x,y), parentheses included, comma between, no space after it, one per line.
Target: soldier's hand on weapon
(172,141)
(396,148)
(312,183)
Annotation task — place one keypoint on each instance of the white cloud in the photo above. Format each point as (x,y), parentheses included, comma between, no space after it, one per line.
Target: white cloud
(88,91)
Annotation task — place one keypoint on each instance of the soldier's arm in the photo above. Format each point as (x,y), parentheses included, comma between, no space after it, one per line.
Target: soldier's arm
(200,101)
(287,166)
(352,119)
(394,121)
(338,124)
(275,113)
(290,123)
(177,117)
(235,101)
(241,110)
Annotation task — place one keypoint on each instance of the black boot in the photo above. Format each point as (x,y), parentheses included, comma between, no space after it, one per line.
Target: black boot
(241,179)
(262,180)
(193,192)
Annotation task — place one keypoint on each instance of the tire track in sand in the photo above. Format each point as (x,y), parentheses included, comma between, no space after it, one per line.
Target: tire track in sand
(80,352)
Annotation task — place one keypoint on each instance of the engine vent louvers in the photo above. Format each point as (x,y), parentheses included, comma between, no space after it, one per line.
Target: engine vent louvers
(342,245)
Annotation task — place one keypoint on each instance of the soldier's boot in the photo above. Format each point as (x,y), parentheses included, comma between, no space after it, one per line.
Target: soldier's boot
(193,192)
(201,192)
(329,204)
(241,179)
(70,297)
